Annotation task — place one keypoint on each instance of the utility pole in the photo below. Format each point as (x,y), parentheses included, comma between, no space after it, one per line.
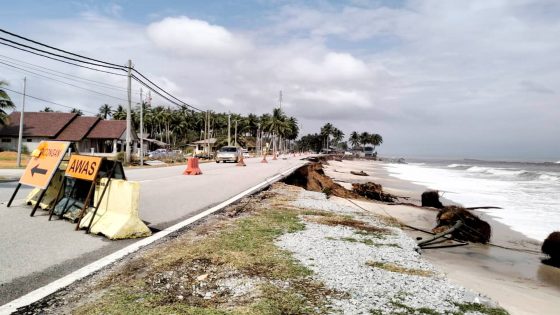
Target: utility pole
(128,115)
(20,136)
(259,139)
(235,135)
(229,130)
(141,129)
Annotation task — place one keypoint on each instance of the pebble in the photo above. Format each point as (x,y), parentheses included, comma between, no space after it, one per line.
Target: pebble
(341,265)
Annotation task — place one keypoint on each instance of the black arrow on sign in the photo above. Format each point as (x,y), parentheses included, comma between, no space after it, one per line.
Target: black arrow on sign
(38,170)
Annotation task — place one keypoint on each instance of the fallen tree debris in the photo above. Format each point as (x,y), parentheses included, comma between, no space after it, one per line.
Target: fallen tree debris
(551,247)
(372,191)
(473,229)
(430,198)
(360,173)
(312,177)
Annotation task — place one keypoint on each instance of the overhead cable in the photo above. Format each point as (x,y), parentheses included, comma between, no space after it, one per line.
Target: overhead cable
(44,100)
(61,50)
(63,61)
(70,84)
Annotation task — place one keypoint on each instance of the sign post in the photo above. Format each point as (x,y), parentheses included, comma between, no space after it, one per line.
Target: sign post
(85,168)
(40,169)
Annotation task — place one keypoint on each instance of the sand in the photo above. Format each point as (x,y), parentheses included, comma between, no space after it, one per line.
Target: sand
(517,280)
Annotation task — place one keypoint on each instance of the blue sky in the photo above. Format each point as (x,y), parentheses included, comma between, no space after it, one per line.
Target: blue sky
(436,78)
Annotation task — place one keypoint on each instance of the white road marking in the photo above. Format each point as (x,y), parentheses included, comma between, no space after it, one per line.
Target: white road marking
(67,280)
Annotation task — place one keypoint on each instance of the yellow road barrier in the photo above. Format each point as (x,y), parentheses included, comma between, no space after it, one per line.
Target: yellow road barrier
(51,195)
(117,216)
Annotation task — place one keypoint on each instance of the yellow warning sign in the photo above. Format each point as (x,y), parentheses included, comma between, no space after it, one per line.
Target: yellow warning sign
(43,164)
(83,167)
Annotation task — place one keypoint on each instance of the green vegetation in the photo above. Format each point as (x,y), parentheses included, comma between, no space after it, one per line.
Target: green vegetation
(477,307)
(151,284)
(5,103)
(182,126)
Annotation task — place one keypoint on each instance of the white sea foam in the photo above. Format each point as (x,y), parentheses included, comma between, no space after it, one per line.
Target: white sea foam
(529,200)
(458,165)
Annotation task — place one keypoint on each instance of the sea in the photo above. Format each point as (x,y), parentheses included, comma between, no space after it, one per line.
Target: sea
(528,193)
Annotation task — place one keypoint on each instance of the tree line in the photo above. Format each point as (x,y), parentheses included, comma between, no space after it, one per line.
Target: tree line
(330,137)
(179,127)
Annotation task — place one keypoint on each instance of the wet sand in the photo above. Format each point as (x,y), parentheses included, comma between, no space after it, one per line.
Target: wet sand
(515,279)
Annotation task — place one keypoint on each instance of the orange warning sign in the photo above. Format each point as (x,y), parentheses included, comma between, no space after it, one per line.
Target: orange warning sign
(44,162)
(83,167)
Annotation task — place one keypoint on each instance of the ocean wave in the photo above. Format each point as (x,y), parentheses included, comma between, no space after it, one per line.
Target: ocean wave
(458,165)
(549,178)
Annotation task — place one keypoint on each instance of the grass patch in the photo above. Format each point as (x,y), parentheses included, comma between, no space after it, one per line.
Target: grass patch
(317,213)
(480,308)
(405,309)
(165,281)
(399,269)
(349,222)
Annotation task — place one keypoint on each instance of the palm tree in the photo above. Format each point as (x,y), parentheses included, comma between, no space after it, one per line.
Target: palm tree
(354,139)
(105,111)
(47,110)
(76,111)
(5,103)
(376,140)
(365,138)
(338,135)
(119,113)
(326,132)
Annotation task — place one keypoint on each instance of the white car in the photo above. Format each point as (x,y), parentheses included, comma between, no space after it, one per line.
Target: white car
(228,154)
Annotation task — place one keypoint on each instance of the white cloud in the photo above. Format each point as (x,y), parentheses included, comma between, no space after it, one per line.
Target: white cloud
(482,68)
(190,37)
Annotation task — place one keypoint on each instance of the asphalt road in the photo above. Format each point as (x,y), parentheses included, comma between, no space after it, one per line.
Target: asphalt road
(35,251)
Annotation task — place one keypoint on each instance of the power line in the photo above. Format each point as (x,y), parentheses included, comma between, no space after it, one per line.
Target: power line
(44,100)
(64,61)
(61,56)
(155,91)
(70,84)
(61,50)
(60,73)
(184,104)
(98,63)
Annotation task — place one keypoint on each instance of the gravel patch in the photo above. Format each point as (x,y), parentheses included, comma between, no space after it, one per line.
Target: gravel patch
(342,258)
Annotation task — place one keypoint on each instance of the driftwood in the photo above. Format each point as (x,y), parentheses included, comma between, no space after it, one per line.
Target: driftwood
(360,173)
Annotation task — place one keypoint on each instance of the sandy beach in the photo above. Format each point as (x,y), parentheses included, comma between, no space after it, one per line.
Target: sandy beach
(513,276)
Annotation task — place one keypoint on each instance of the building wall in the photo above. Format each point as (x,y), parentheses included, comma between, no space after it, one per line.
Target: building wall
(10,143)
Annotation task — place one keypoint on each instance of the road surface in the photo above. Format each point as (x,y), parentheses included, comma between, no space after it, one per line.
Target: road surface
(35,251)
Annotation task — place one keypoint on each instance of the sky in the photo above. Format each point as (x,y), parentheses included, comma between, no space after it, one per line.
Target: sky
(447,79)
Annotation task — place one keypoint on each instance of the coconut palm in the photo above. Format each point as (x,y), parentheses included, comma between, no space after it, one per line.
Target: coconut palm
(77,111)
(354,139)
(119,113)
(5,103)
(326,132)
(105,111)
(376,140)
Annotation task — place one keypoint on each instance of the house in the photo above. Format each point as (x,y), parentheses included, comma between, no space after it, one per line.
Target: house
(201,146)
(109,137)
(90,134)
(36,127)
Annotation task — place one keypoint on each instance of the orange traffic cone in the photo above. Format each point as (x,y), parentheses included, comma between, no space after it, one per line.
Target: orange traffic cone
(240,162)
(192,167)
(264,159)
